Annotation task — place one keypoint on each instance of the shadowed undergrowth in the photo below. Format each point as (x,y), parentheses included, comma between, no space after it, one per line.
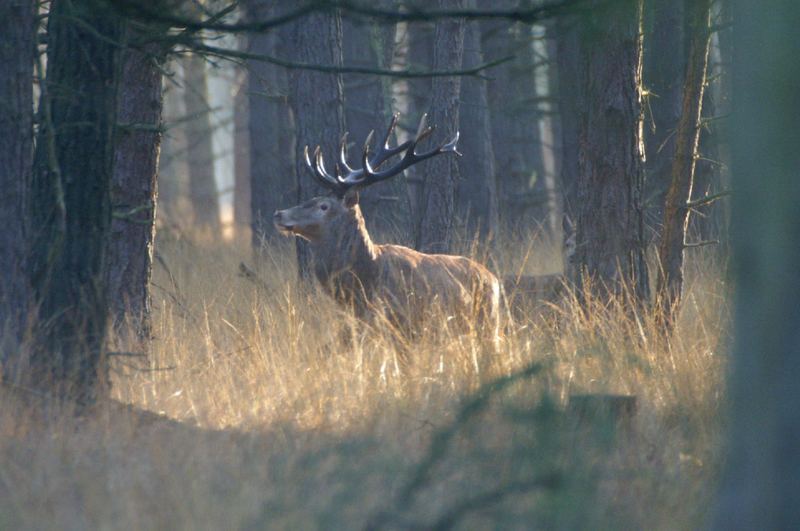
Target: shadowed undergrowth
(291,416)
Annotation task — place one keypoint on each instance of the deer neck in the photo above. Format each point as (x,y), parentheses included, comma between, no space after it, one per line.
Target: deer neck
(346,256)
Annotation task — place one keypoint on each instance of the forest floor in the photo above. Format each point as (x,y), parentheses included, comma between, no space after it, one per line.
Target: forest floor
(270,418)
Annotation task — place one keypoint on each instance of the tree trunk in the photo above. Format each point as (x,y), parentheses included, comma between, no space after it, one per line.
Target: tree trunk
(16,144)
(610,249)
(665,49)
(545,210)
(133,186)
(477,191)
(241,159)
(200,149)
(71,207)
(272,171)
(420,56)
(687,135)
(762,468)
(172,166)
(567,60)
(385,205)
(441,173)
(317,101)
(515,125)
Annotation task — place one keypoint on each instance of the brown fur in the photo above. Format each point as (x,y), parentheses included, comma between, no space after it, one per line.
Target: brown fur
(403,285)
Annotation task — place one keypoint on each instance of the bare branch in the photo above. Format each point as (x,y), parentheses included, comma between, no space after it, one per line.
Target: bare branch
(344,69)
(707,199)
(700,244)
(529,15)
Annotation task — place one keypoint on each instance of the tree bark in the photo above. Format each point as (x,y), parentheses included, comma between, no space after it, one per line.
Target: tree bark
(687,135)
(16,144)
(665,50)
(317,101)
(71,207)
(610,250)
(133,186)
(441,173)
(272,170)
(762,467)
(200,149)
(477,191)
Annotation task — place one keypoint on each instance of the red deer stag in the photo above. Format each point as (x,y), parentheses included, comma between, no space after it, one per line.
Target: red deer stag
(403,286)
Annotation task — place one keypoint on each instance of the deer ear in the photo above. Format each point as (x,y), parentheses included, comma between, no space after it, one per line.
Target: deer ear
(350,199)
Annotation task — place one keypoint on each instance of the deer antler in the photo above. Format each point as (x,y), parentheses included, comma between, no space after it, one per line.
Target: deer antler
(369,173)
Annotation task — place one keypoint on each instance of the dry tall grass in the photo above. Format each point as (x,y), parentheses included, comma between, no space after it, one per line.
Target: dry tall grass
(285,423)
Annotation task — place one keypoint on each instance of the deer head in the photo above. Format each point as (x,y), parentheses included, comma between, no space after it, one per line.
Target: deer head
(317,217)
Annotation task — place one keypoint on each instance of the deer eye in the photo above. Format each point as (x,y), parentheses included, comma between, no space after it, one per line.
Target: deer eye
(323,207)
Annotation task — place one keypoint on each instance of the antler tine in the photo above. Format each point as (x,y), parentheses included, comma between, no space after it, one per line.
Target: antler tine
(343,155)
(323,173)
(411,157)
(389,131)
(364,160)
(320,178)
(423,123)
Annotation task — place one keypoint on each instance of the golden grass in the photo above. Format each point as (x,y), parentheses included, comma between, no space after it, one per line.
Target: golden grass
(284,423)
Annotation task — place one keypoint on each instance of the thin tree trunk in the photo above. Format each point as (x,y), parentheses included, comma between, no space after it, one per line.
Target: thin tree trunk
(172,167)
(707,174)
(16,144)
(545,212)
(610,249)
(441,173)
(420,56)
(272,170)
(71,208)
(477,191)
(200,149)
(241,159)
(134,188)
(687,135)
(762,468)
(567,60)
(317,101)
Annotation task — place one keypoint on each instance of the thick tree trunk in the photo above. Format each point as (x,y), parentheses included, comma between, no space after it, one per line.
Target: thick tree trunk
(687,135)
(609,248)
(385,205)
(272,170)
(762,469)
(200,149)
(317,101)
(477,191)
(71,208)
(16,144)
(133,187)
(665,49)
(441,173)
